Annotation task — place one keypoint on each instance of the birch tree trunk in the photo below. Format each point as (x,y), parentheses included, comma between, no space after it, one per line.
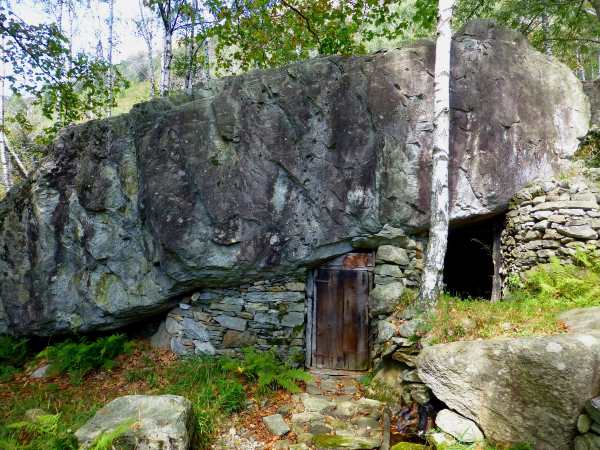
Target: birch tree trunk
(111,76)
(167,56)
(4,162)
(146,30)
(191,51)
(431,280)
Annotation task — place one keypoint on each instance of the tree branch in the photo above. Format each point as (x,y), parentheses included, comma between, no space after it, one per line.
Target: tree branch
(308,25)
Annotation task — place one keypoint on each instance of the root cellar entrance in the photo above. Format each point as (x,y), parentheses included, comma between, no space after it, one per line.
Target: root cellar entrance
(339,327)
(472,265)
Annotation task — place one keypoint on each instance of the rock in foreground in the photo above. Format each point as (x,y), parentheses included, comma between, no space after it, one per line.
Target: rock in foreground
(517,390)
(162,422)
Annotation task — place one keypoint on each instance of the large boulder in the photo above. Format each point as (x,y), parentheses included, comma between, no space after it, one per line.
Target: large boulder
(271,172)
(142,422)
(521,390)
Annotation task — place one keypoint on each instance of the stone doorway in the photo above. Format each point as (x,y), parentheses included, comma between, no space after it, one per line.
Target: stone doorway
(473,260)
(338,325)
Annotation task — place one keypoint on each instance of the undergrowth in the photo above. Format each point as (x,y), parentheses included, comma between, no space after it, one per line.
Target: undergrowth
(531,308)
(13,354)
(79,358)
(216,386)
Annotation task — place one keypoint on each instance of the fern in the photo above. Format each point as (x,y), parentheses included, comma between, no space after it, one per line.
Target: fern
(267,370)
(79,358)
(107,439)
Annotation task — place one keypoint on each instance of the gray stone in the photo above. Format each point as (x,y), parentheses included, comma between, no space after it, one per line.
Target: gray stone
(161,339)
(388,270)
(409,328)
(236,339)
(181,347)
(195,330)
(517,390)
(457,426)
(315,403)
(173,326)
(385,331)
(41,372)
(391,254)
(581,320)
(158,422)
(233,323)
(276,424)
(238,184)
(292,319)
(204,348)
(384,298)
(578,232)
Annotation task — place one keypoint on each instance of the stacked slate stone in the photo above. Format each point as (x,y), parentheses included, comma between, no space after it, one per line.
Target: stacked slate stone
(399,345)
(588,425)
(396,268)
(267,315)
(550,219)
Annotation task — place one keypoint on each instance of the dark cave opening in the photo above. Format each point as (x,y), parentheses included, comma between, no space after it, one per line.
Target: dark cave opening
(469,266)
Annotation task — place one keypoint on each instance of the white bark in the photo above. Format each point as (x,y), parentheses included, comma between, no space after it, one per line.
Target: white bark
(431,280)
(146,30)
(191,52)
(111,75)
(167,56)
(19,164)
(4,162)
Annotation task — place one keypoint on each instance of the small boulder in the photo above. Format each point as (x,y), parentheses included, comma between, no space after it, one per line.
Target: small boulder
(41,372)
(276,424)
(157,422)
(457,426)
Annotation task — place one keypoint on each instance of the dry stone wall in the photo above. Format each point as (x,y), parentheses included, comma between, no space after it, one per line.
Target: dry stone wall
(553,218)
(267,315)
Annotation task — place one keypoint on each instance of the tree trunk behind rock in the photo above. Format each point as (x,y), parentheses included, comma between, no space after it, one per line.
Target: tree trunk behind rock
(438,232)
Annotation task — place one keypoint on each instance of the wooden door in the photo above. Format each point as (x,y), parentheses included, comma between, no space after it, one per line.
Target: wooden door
(341,318)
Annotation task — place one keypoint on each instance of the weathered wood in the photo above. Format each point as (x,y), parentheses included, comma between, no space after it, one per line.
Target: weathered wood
(497,260)
(431,280)
(341,319)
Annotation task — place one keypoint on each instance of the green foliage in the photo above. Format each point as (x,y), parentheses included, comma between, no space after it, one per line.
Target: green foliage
(13,353)
(79,358)
(213,390)
(530,309)
(108,440)
(42,432)
(589,150)
(268,371)
(264,33)
(67,87)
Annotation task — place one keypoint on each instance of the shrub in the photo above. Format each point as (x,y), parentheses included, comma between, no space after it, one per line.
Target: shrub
(13,353)
(79,358)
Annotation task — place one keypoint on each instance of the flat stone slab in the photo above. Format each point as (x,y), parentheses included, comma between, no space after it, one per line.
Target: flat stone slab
(156,422)
(459,427)
(276,424)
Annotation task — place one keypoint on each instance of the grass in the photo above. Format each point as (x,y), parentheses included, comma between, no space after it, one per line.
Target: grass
(217,388)
(531,309)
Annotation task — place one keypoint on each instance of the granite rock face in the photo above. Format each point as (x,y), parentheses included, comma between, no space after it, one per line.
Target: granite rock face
(271,172)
